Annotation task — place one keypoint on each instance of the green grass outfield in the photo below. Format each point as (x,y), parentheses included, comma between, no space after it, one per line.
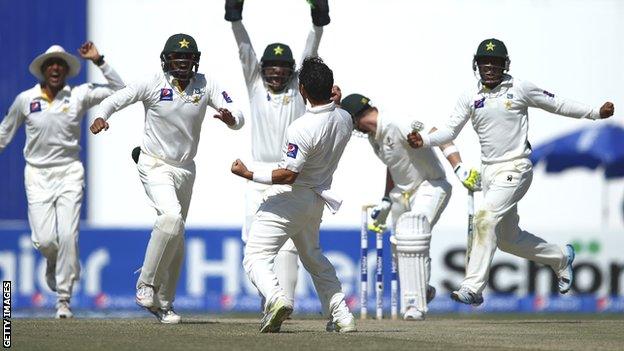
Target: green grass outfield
(438,332)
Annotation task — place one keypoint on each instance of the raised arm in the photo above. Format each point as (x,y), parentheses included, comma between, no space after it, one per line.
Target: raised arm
(540,98)
(320,17)
(95,93)
(11,123)
(246,53)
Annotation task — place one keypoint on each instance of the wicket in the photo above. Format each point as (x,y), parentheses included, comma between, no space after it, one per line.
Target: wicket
(394,301)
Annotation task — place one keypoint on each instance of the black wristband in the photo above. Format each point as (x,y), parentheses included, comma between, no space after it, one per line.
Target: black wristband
(99,61)
(386,198)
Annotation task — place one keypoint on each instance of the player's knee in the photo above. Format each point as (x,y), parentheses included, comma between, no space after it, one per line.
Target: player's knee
(170,224)
(485,223)
(413,233)
(45,244)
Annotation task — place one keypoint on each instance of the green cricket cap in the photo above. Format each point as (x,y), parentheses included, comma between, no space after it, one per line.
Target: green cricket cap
(355,103)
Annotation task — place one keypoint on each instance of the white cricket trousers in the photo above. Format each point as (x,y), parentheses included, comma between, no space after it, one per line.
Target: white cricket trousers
(496,224)
(429,199)
(291,212)
(169,189)
(54,199)
(287,260)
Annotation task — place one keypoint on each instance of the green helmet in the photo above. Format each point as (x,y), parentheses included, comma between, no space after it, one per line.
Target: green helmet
(185,68)
(277,66)
(278,52)
(491,48)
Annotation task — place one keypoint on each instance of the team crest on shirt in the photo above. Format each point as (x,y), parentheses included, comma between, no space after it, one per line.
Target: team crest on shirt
(292,150)
(550,95)
(479,103)
(35,106)
(166,94)
(226,97)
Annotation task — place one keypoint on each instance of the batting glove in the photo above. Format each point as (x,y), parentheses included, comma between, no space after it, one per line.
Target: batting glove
(380,214)
(470,178)
(233,10)
(320,12)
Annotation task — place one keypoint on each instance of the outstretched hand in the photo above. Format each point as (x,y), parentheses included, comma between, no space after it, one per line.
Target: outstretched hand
(607,110)
(414,139)
(98,125)
(225,116)
(89,51)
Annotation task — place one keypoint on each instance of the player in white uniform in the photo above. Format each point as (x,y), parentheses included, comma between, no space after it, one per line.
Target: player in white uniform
(175,102)
(275,102)
(54,176)
(498,108)
(416,194)
(315,143)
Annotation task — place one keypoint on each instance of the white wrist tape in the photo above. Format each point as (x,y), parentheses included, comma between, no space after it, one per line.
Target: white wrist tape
(263,177)
(450,150)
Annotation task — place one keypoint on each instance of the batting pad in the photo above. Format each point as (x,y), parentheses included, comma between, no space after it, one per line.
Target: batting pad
(413,236)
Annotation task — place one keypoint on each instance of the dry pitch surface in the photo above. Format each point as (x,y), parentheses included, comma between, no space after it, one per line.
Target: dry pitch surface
(438,332)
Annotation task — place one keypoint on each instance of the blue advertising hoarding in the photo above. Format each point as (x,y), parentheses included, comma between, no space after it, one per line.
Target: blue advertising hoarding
(213,279)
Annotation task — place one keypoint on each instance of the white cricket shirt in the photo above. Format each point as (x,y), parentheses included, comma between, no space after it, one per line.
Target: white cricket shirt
(500,117)
(408,166)
(173,118)
(315,143)
(53,126)
(271,113)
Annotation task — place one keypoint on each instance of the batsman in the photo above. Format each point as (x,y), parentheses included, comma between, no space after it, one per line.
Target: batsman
(498,106)
(416,194)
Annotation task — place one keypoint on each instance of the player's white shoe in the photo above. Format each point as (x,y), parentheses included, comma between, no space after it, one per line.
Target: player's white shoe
(566,275)
(51,275)
(165,315)
(275,314)
(342,324)
(465,295)
(413,314)
(62,310)
(145,296)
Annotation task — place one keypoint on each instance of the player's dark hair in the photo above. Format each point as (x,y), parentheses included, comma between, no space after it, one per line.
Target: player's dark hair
(317,78)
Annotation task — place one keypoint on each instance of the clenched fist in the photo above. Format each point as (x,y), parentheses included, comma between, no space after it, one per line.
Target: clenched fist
(414,139)
(607,110)
(98,125)
(239,168)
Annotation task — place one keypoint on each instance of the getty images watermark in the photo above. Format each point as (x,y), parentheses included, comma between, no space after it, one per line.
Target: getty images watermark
(6,314)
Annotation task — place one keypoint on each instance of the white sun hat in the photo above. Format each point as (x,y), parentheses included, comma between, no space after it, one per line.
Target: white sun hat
(55,51)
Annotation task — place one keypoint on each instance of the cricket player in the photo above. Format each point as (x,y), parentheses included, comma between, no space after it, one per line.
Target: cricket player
(416,194)
(498,108)
(175,102)
(315,143)
(274,102)
(54,175)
